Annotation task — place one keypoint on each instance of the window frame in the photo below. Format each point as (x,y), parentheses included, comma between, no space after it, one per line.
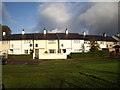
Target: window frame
(53,50)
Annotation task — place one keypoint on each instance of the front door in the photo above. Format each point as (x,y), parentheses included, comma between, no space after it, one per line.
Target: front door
(36,53)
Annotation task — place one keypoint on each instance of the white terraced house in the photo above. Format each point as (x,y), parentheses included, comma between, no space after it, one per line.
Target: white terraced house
(53,45)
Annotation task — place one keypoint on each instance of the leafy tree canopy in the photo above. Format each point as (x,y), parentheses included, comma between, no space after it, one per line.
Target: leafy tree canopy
(94,46)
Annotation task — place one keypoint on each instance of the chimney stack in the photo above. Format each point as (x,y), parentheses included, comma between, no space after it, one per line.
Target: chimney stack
(23,32)
(104,34)
(4,33)
(118,34)
(66,31)
(84,33)
(45,31)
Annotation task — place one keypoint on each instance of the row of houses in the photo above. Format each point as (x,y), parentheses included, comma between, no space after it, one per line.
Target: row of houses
(53,45)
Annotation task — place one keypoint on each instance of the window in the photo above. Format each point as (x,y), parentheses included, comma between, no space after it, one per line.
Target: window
(111,45)
(115,42)
(76,41)
(4,42)
(36,45)
(11,49)
(51,41)
(107,46)
(27,41)
(26,51)
(101,42)
(86,42)
(31,51)
(30,45)
(77,50)
(62,45)
(64,50)
(52,50)
(12,46)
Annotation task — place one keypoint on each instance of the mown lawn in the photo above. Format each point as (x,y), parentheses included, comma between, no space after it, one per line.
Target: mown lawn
(63,74)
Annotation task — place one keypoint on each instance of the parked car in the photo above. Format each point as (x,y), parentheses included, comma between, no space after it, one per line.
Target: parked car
(3,60)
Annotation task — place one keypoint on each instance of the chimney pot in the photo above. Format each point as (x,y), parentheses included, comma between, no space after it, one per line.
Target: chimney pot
(23,32)
(45,31)
(66,31)
(104,34)
(4,33)
(84,33)
(118,34)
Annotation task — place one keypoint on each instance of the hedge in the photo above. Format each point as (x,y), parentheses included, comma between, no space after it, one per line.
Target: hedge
(89,54)
(22,56)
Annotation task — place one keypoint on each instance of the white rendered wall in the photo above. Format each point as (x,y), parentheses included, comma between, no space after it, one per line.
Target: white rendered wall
(52,56)
(19,46)
(71,45)
(16,45)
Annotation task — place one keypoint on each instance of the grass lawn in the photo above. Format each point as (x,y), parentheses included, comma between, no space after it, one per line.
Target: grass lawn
(63,74)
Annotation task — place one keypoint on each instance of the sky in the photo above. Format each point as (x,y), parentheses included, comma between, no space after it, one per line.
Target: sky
(92,17)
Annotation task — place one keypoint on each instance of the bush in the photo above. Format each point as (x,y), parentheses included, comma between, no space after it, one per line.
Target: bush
(90,54)
(22,56)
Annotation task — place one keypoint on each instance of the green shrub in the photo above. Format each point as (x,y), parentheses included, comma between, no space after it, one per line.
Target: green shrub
(90,54)
(22,56)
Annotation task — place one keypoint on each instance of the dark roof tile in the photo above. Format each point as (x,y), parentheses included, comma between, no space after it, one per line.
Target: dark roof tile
(55,36)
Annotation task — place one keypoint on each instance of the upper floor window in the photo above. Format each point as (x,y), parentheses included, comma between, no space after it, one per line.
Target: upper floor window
(12,46)
(30,45)
(51,41)
(36,45)
(27,41)
(4,42)
(115,42)
(62,45)
(76,41)
(101,42)
(86,42)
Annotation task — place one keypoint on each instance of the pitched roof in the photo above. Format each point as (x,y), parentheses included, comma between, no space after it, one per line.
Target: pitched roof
(18,37)
(69,36)
(55,36)
(98,38)
(48,36)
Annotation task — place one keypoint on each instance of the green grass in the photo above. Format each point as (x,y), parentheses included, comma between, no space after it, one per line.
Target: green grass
(63,74)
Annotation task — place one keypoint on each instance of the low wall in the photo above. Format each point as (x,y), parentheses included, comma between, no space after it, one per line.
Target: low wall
(52,56)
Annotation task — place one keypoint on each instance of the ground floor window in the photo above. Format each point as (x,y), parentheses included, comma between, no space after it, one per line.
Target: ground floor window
(51,50)
(26,51)
(31,51)
(64,50)
(5,51)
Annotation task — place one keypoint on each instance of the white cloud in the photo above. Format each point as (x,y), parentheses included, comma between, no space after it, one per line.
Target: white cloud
(102,17)
(53,15)
(55,31)
(57,12)
(94,18)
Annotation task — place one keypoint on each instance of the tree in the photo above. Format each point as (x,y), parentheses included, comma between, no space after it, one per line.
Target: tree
(94,46)
(6,29)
